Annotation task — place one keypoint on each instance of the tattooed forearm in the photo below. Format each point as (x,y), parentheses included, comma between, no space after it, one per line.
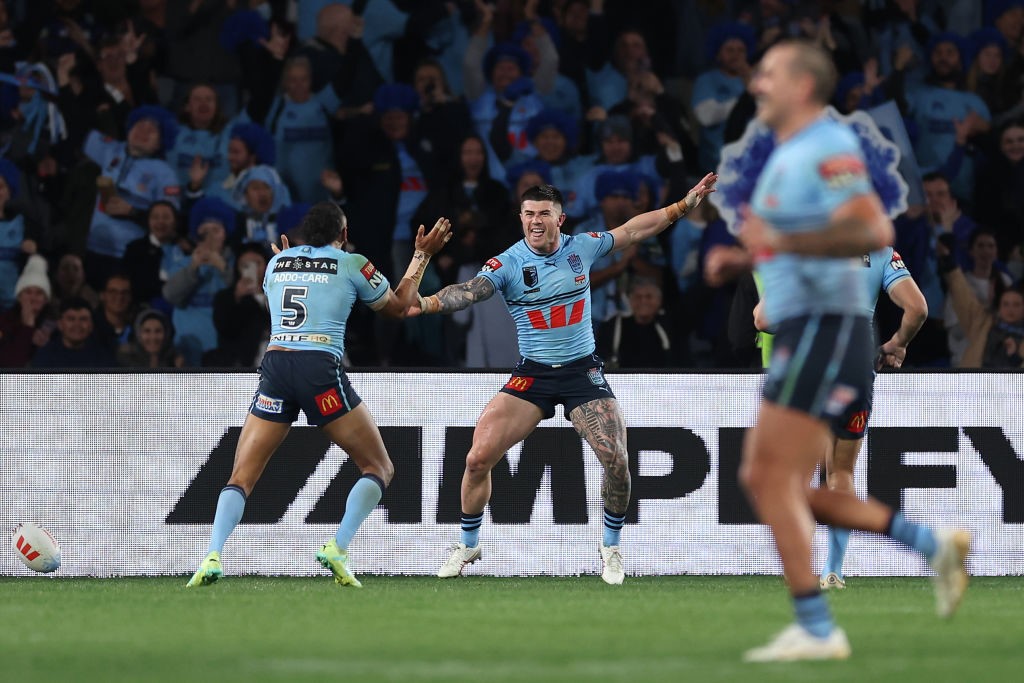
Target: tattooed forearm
(600,423)
(457,297)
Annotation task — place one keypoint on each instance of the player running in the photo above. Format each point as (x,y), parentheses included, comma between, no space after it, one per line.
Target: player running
(814,215)
(311,290)
(883,270)
(544,280)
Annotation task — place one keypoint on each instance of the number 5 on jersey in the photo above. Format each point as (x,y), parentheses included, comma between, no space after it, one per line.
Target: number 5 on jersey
(294,309)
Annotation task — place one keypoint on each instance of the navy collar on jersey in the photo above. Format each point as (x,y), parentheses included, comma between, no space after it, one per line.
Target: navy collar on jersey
(561,243)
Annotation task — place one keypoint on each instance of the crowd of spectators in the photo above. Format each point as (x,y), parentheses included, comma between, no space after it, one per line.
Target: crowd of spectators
(154,150)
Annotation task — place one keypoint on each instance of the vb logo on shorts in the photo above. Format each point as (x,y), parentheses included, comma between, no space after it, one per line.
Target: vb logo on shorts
(269,405)
(519,383)
(328,402)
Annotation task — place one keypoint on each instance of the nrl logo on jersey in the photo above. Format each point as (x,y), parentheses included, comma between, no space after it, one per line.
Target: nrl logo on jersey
(530,276)
(575,262)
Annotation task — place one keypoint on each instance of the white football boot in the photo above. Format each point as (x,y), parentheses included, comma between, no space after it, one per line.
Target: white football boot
(832,581)
(612,573)
(457,561)
(795,643)
(950,570)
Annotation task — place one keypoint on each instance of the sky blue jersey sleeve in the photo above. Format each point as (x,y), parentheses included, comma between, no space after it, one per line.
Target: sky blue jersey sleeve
(497,270)
(369,282)
(594,245)
(894,271)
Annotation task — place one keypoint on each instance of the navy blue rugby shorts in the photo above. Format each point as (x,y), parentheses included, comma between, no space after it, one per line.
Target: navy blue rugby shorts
(311,381)
(823,365)
(572,384)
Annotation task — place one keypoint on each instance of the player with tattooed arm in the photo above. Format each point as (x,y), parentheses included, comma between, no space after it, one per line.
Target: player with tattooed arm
(545,282)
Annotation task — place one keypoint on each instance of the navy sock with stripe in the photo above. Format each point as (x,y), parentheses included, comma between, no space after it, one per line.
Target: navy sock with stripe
(471,528)
(612,527)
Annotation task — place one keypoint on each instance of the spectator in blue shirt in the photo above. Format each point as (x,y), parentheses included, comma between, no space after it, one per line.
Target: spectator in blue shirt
(74,345)
(730,46)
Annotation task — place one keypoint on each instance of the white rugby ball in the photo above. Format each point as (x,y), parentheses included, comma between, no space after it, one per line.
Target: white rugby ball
(36,547)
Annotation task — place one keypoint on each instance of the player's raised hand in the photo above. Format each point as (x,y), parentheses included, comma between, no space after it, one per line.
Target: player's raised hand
(284,245)
(701,190)
(438,236)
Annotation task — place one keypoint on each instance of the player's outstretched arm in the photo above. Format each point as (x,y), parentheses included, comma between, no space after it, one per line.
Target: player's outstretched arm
(648,224)
(407,292)
(454,297)
(856,227)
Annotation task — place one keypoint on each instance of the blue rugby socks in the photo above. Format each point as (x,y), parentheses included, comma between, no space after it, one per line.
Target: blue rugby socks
(471,528)
(612,527)
(230,506)
(918,537)
(837,540)
(362,499)
(812,613)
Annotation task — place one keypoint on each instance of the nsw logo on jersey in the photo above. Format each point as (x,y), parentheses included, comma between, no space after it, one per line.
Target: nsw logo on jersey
(492,265)
(372,275)
(897,261)
(842,170)
(575,262)
(530,276)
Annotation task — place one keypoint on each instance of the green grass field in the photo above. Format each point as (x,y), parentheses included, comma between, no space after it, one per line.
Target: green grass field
(487,629)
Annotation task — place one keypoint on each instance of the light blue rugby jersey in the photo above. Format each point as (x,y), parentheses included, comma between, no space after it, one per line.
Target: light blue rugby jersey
(311,291)
(549,296)
(884,268)
(805,179)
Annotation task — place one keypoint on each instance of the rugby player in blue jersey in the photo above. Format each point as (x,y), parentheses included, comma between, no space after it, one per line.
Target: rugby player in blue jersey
(310,291)
(813,216)
(545,282)
(883,270)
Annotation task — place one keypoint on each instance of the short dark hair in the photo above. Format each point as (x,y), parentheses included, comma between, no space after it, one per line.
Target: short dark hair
(542,193)
(75,303)
(323,224)
(932,176)
(813,60)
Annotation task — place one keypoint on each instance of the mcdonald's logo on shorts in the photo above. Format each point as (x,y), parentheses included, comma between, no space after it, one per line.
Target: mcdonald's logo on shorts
(328,402)
(519,383)
(858,421)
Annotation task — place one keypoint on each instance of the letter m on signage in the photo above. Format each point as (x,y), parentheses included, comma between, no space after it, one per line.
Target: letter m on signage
(556,316)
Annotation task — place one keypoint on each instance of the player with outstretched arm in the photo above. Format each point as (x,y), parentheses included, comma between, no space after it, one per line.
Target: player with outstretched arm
(311,290)
(545,282)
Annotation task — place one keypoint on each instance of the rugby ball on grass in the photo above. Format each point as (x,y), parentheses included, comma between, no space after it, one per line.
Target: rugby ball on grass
(36,548)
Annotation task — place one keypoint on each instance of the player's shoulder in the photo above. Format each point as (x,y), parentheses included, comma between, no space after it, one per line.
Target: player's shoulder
(517,253)
(826,137)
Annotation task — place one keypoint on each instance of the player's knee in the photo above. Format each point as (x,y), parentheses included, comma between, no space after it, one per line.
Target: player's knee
(478,462)
(753,476)
(840,481)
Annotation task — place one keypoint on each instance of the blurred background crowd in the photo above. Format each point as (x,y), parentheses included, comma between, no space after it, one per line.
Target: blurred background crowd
(153,150)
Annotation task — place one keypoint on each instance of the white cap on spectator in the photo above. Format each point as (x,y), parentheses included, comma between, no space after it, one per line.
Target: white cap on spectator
(34,275)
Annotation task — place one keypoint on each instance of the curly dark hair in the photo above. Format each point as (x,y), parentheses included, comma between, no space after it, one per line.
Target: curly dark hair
(323,224)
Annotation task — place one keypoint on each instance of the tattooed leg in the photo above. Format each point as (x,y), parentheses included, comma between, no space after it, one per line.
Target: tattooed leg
(600,422)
